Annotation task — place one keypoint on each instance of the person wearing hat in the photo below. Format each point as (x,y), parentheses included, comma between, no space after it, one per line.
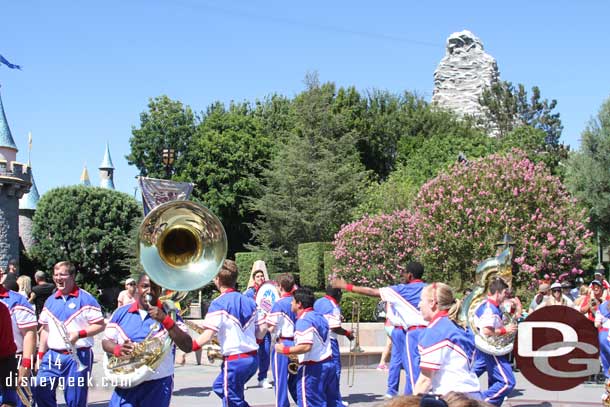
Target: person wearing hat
(543,292)
(127,296)
(599,276)
(591,301)
(556,297)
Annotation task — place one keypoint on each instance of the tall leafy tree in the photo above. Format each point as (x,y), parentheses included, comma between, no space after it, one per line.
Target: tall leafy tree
(166,124)
(588,171)
(226,157)
(313,181)
(89,226)
(508,107)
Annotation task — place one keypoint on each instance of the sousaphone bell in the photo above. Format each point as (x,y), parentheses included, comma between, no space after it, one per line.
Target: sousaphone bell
(182,245)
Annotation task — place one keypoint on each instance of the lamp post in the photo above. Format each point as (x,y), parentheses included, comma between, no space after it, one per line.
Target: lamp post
(168,156)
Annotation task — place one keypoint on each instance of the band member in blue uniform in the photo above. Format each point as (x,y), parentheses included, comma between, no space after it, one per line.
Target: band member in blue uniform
(329,307)
(403,300)
(8,359)
(488,319)
(317,377)
(281,323)
(24,325)
(602,323)
(234,319)
(258,276)
(446,349)
(70,319)
(131,324)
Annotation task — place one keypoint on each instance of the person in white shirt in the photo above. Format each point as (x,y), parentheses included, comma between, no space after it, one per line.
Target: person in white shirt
(127,296)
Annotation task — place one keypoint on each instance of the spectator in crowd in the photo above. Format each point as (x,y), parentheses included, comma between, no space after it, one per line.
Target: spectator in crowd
(599,276)
(543,292)
(127,296)
(578,284)
(566,289)
(546,280)
(41,291)
(583,290)
(593,299)
(9,279)
(556,297)
(25,286)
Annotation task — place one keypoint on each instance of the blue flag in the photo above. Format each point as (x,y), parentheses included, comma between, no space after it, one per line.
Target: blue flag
(5,62)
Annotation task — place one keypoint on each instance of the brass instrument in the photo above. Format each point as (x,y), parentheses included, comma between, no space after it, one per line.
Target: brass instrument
(70,348)
(489,269)
(212,349)
(351,361)
(182,246)
(25,393)
(293,364)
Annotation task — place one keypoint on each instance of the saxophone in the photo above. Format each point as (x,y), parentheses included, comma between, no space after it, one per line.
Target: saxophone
(489,269)
(129,371)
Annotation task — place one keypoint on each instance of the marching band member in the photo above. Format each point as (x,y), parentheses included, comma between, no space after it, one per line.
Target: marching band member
(602,323)
(258,276)
(24,326)
(329,307)
(317,377)
(488,319)
(446,349)
(132,323)
(8,359)
(234,319)
(281,321)
(70,319)
(408,323)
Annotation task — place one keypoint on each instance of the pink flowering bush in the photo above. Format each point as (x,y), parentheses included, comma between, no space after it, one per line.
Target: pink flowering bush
(463,212)
(373,251)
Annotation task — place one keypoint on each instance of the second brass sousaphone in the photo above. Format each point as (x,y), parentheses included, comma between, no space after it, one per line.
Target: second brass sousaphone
(182,245)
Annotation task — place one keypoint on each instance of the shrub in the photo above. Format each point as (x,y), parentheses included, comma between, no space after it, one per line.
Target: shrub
(311,263)
(463,212)
(374,251)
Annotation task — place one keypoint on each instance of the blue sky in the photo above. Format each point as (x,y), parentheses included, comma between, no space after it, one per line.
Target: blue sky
(89,69)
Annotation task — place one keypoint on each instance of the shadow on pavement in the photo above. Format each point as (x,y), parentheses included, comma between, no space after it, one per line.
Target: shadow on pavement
(193,391)
(363,398)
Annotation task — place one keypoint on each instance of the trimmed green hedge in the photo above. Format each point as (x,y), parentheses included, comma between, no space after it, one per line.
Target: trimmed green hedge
(329,263)
(311,263)
(367,304)
(244,261)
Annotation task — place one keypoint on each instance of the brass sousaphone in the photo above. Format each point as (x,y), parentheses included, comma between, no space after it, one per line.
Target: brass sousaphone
(182,246)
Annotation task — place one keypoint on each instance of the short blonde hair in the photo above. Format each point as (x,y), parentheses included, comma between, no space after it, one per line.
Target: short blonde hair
(25,284)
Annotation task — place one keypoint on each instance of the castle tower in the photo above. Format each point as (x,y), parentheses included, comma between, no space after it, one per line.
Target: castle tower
(27,208)
(84,177)
(15,181)
(107,171)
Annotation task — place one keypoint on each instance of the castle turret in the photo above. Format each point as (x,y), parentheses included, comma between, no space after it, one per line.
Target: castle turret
(15,181)
(84,177)
(27,208)
(107,171)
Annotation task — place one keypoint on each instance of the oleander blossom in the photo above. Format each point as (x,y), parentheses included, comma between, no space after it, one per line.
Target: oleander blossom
(463,212)
(374,250)
(459,215)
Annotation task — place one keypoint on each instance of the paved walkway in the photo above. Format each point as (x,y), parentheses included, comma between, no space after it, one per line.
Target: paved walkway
(192,388)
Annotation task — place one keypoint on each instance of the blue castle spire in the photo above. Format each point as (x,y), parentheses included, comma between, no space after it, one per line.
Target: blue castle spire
(6,138)
(30,200)
(107,170)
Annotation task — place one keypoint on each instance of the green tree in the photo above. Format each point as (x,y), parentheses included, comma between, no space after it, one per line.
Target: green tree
(313,181)
(226,157)
(588,171)
(89,226)
(508,107)
(166,124)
